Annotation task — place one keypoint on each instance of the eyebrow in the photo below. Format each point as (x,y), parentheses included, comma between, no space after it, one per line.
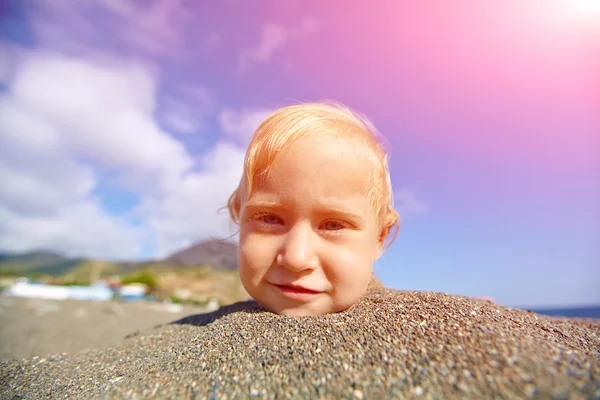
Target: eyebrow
(263,203)
(323,208)
(342,211)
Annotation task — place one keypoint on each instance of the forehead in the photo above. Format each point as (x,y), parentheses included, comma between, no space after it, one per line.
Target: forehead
(328,154)
(329,167)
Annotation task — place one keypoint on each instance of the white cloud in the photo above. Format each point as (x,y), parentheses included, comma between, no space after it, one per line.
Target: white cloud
(74,116)
(74,228)
(23,187)
(406,202)
(272,38)
(8,59)
(240,125)
(62,122)
(189,210)
(102,112)
(308,26)
(154,27)
(184,111)
(179,119)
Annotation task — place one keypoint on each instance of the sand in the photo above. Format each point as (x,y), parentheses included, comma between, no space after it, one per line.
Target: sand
(393,344)
(39,327)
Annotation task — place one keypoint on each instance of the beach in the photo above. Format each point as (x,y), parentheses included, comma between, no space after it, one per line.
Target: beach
(393,344)
(38,327)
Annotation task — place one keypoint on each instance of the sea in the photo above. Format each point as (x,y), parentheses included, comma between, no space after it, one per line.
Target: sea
(578,312)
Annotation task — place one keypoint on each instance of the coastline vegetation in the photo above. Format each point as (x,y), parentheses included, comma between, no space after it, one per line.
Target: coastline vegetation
(198,284)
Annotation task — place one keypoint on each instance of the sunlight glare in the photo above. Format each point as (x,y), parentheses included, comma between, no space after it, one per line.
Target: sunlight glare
(583,9)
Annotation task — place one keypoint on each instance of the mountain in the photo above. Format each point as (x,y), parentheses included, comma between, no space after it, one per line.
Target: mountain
(218,254)
(36,262)
(39,256)
(197,274)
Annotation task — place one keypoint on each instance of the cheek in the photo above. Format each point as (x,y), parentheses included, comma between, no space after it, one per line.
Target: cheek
(256,254)
(351,265)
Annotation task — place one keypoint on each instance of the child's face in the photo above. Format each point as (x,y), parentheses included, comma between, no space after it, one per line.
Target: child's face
(308,236)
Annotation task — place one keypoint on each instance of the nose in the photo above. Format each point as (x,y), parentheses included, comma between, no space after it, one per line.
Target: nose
(298,252)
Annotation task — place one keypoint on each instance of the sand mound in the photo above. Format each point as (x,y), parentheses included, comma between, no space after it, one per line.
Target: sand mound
(393,344)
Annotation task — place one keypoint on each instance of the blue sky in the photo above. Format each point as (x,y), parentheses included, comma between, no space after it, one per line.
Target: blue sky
(123,126)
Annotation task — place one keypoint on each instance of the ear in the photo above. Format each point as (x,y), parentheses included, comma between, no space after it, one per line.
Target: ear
(383,234)
(385,231)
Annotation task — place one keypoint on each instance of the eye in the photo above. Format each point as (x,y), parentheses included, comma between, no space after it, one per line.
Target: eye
(334,225)
(266,218)
(270,219)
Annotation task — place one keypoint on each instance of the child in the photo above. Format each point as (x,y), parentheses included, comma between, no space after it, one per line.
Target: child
(314,207)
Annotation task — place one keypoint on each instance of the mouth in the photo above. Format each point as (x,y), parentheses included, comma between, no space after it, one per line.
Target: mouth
(297,291)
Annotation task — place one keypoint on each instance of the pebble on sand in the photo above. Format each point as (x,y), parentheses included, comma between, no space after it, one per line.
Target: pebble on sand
(380,348)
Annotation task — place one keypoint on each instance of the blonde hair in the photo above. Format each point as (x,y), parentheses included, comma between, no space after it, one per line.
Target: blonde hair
(291,123)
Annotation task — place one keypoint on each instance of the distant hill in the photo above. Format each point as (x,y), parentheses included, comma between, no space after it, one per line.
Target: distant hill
(204,271)
(36,262)
(218,254)
(40,256)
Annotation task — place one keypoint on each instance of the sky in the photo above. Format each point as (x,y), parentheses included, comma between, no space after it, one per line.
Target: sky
(123,127)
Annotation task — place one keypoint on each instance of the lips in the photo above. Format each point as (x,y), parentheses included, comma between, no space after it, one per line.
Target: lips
(294,289)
